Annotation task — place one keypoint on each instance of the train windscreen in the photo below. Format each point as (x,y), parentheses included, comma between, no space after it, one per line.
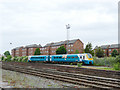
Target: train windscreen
(89,55)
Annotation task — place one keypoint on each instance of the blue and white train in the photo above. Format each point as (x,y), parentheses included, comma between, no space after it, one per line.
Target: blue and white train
(85,58)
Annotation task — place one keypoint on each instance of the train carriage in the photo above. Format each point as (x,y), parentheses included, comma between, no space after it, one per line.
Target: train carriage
(65,58)
(85,58)
(40,58)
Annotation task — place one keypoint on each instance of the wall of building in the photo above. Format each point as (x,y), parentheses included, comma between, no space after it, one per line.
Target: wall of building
(49,50)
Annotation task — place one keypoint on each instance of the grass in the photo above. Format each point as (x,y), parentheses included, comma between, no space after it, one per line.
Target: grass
(101,68)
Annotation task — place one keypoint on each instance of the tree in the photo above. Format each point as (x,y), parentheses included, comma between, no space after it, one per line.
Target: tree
(76,52)
(37,51)
(9,57)
(88,49)
(99,52)
(61,50)
(6,53)
(114,53)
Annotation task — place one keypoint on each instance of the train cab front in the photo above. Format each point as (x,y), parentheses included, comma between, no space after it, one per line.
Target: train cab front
(87,59)
(29,58)
(90,59)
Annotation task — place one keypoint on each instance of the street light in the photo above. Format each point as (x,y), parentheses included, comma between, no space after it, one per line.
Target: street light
(67,27)
(10,47)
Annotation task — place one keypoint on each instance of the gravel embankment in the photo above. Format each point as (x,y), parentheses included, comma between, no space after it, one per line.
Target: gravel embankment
(20,80)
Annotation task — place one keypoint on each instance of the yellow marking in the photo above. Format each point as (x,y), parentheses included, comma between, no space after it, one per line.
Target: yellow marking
(89,58)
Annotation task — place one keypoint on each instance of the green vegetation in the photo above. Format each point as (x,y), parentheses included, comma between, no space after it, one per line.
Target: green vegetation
(76,52)
(113,62)
(61,50)
(15,59)
(99,52)
(79,64)
(6,53)
(88,49)
(37,51)
(114,53)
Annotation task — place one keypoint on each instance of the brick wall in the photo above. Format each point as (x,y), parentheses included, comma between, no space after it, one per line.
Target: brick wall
(49,50)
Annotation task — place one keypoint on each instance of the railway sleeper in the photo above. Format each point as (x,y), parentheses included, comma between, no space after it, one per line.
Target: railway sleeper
(93,82)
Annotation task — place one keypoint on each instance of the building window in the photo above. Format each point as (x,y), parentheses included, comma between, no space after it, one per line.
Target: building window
(109,49)
(71,45)
(71,49)
(109,53)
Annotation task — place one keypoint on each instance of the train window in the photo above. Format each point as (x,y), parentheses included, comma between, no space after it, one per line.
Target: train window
(60,57)
(54,57)
(83,57)
(80,57)
(76,57)
(68,57)
(72,57)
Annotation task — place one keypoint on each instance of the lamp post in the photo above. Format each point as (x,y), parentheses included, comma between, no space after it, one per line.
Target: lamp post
(10,48)
(67,27)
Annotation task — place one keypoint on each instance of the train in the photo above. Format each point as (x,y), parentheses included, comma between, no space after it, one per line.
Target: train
(85,58)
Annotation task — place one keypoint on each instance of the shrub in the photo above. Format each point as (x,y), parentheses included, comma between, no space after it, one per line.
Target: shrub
(37,51)
(6,53)
(61,50)
(99,52)
(88,49)
(76,52)
(117,59)
(70,63)
(25,59)
(114,53)
(117,66)
(2,58)
(106,61)
(9,58)
(79,64)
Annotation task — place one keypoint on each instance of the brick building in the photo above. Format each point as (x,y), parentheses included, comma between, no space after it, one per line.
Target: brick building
(108,49)
(25,51)
(113,47)
(73,45)
(50,48)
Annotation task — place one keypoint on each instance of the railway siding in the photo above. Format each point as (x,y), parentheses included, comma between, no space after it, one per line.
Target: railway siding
(77,70)
(80,79)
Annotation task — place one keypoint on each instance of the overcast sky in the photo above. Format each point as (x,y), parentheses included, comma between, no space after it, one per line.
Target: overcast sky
(24,22)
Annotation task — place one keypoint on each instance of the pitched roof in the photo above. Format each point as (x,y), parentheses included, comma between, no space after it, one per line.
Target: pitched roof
(104,46)
(17,48)
(96,47)
(33,46)
(115,46)
(48,44)
(61,43)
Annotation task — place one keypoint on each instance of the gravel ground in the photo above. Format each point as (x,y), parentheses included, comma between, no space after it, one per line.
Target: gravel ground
(20,80)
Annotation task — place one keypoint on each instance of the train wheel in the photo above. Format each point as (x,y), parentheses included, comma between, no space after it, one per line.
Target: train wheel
(90,63)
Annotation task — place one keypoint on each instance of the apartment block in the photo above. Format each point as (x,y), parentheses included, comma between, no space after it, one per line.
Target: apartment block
(25,51)
(108,49)
(49,48)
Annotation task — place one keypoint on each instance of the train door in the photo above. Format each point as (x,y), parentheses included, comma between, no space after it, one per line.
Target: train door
(46,58)
(49,58)
(80,58)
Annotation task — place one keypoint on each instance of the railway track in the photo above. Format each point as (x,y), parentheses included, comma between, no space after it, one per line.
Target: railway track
(79,79)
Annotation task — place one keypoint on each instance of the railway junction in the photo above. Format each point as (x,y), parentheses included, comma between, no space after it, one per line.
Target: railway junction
(91,78)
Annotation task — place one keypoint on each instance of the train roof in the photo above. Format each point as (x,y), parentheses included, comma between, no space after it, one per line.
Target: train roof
(63,54)
(69,54)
